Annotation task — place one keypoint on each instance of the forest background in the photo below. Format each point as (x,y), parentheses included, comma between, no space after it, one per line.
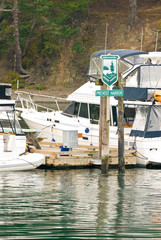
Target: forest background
(57,37)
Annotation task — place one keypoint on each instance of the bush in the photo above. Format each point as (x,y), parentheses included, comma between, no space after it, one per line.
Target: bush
(12,78)
(41,86)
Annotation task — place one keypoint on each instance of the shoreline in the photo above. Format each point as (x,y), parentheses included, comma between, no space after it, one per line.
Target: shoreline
(56,91)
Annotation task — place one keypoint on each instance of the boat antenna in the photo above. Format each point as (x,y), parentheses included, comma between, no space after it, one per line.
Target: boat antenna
(17,84)
(156,42)
(106,38)
(142,39)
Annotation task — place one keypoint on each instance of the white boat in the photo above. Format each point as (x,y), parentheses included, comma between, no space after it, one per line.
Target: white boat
(13,155)
(82,114)
(146,133)
(142,72)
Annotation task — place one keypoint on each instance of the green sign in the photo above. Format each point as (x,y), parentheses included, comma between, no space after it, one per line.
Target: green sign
(109,69)
(109,93)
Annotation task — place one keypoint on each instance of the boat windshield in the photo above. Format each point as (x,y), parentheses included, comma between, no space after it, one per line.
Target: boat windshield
(81,110)
(72,109)
(8,120)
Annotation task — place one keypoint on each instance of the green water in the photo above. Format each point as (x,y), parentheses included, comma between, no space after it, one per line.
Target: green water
(80,204)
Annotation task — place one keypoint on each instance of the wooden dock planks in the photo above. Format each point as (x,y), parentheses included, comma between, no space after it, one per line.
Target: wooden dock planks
(80,157)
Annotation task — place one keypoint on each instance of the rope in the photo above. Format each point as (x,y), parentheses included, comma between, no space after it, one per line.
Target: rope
(141,155)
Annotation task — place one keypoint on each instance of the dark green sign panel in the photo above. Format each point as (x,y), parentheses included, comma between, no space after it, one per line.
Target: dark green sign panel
(109,93)
(109,69)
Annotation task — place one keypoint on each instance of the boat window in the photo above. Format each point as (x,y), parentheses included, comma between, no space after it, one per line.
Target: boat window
(94,111)
(129,115)
(83,110)
(72,108)
(114,115)
(76,108)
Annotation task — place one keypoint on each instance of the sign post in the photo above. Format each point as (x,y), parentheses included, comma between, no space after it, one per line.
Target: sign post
(109,77)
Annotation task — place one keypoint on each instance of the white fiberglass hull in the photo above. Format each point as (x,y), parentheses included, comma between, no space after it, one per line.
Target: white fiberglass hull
(148,151)
(54,131)
(50,132)
(27,161)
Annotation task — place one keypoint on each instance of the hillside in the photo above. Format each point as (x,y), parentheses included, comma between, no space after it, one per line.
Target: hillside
(69,68)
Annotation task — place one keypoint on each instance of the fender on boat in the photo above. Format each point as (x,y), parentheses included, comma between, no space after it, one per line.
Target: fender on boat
(157,96)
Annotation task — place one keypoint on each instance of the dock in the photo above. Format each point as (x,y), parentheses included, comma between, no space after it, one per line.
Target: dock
(81,157)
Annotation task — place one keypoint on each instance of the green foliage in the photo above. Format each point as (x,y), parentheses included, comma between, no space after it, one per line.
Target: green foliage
(65,32)
(78,47)
(50,46)
(8,5)
(112,67)
(41,86)
(32,54)
(6,33)
(12,78)
(159,24)
(44,28)
(80,5)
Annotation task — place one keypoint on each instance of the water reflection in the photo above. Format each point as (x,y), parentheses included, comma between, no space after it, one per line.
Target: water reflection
(80,204)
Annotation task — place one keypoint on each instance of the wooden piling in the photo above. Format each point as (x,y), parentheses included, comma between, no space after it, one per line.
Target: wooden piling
(121,162)
(104,131)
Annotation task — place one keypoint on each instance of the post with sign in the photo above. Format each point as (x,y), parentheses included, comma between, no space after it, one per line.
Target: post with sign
(109,77)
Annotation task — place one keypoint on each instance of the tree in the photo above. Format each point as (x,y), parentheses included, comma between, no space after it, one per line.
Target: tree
(18,66)
(1,11)
(112,67)
(133,12)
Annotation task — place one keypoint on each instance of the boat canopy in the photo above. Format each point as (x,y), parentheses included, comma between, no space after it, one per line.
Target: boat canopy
(148,76)
(134,93)
(127,59)
(147,122)
(141,71)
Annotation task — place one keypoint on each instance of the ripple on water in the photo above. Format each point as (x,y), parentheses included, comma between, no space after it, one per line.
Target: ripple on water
(80,204)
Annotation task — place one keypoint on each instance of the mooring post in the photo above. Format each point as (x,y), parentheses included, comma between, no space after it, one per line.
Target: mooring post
(100,126)
(105,124)
(121,160)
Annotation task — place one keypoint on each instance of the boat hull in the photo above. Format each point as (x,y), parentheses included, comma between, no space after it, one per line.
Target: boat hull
(27,161)
(148,151)
(54,132)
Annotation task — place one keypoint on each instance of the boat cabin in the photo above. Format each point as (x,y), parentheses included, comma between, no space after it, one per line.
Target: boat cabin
(92,112)
(5,91)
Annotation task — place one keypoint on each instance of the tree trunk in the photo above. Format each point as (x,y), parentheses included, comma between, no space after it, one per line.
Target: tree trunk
(1,12)
(133,12)
(18,66)
(28,39)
